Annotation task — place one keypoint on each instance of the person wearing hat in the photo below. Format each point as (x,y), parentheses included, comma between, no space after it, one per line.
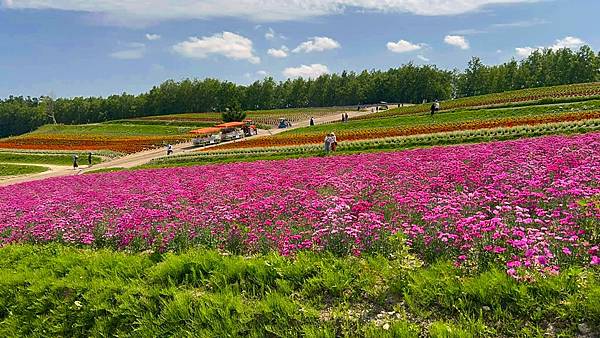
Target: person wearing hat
(333,142)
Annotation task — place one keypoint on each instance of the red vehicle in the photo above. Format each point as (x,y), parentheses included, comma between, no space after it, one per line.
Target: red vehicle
(224,132)
(249,128)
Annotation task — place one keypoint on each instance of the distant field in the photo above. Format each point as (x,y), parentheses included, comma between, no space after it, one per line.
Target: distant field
(133,135)
(376,145)
(574,92)
(405,125)
(110,129)
(123,138)
(261,117)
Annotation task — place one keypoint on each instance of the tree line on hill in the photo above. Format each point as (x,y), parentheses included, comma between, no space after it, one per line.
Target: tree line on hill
(408,83)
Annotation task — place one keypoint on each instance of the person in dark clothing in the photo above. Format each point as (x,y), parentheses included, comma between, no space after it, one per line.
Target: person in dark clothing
(90,159)
(312,121)
(432,109)
(75,165)
(346,117)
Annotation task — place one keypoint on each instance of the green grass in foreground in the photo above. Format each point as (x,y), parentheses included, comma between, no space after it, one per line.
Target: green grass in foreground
(16,169)
(41,158)
(55,290)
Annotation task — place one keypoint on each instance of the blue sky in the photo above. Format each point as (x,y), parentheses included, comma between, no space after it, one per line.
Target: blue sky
(102,47)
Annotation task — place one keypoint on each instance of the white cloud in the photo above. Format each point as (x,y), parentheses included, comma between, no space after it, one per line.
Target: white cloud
(317,44)
(468,31)
(403,46)
(422,58)
(152,37)
(228,44)
(270,34)
(526,51)
(304,71)
(132,12)
(521,24)
(457,41)
(278,53)
(498,26)
(133,51)
(258,74)
(567,42)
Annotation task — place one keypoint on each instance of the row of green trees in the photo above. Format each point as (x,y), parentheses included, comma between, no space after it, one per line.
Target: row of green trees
(407,83)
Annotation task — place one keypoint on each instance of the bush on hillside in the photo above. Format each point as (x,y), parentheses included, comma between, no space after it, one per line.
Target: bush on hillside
(233,116)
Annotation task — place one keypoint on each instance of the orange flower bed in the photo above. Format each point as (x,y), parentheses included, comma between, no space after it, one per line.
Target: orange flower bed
(355,135)
(88,142)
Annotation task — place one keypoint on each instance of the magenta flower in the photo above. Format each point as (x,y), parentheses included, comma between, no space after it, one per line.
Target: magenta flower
(500,202)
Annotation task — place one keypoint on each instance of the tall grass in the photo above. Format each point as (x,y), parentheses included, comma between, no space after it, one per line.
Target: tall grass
(54,290)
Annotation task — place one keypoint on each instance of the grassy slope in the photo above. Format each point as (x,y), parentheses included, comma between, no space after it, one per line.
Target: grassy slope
(540,95)
(15,169)
(172,123)
(103,137)
(62,291)
(250,113)
(111,129)
(446,117)
(32,158)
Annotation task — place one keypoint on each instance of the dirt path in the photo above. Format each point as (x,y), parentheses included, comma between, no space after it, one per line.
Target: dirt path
(143,157)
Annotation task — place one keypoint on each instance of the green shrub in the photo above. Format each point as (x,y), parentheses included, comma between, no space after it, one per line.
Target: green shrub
(233,116)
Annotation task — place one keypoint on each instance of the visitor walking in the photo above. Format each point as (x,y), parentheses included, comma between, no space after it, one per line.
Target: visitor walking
(311,122)
(432,109)
(327,143)
(333,142)
(169,149)
(437,106)
(90,158)
(343,117)
(346,116)
(75,165)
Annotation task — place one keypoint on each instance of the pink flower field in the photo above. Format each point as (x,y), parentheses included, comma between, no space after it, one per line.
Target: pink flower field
(527,204)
